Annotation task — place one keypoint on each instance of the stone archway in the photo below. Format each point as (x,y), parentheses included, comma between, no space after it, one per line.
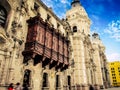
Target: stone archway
(27,77)
(3,16)
(5,9)
(6,5)
(69,82)
(58,84)
(45,81)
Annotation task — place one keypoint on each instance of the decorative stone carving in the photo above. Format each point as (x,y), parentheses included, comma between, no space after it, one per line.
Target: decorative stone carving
(14,3)
(27,6)
(67,26)
(4,40)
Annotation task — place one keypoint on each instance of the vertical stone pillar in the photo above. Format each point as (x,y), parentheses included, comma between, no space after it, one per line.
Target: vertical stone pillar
(89,76)
(85,87)
(36,77)
(7,70)
(52,80)
(98,65)
(9,20)
(12,65)
(4,68)
(79,58)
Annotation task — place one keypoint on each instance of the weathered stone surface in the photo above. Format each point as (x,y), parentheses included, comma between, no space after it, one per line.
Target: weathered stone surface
(52,61)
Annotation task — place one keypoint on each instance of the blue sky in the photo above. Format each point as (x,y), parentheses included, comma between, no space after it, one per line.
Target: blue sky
(105,18)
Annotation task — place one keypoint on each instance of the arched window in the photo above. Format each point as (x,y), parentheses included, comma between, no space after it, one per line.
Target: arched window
(36,6)
(69,82)
(75,29)
(27,76)
(57,81)
(3,16)
(45,80)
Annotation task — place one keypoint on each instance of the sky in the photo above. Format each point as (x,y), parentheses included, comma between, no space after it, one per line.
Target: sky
(105,18)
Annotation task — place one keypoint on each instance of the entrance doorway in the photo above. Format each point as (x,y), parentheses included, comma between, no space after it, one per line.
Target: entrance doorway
(27,76)
(69,82)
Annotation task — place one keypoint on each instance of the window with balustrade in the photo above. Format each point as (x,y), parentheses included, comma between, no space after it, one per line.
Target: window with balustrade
(27,77)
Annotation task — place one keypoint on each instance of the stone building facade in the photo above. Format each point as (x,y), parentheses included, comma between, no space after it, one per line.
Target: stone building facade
(88,52)
(39,49)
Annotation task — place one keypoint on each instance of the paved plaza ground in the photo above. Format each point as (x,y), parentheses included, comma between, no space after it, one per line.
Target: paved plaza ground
(115,88)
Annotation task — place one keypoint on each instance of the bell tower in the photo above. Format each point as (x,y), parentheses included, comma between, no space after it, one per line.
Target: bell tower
(77,16)
(80,26)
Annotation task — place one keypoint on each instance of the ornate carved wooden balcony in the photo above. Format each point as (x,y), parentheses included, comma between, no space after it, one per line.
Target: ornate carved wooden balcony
(45,45)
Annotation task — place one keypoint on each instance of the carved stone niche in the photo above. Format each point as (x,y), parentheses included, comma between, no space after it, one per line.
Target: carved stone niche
(4,41)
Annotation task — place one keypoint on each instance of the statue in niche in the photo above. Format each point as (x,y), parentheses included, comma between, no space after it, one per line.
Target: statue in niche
(27,5)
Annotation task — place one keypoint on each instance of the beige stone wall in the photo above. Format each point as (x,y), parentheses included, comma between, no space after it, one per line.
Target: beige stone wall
(14,34)
(86,52)
(78,14)
(11,66)
(98,65)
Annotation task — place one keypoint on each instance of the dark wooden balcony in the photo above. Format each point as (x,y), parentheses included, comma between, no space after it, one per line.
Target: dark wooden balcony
(45,45)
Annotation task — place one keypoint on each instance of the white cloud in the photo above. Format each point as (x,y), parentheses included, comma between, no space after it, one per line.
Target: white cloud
(95,17)
(65,1)
(113,57)
(59,7)
(113,29)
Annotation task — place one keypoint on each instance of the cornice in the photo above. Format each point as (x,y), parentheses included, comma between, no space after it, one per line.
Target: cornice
(49,10)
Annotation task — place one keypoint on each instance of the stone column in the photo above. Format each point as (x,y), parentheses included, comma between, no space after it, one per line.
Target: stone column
(85,87)
(80,69)
(89,78)
(52,80)
(12,65)
(8,58)
(9,20)
(36,78)
(4,67)
(98,65)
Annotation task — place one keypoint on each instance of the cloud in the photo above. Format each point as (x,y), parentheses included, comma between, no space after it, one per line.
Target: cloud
(95,17)
(113,57)
(113,30)
(64,1)
(59,7)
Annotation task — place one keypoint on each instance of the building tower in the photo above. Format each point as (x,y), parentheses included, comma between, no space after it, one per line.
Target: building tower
(100,61)
(80,26)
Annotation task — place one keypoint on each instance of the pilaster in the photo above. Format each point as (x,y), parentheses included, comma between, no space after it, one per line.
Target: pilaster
(98,65)
(80,69)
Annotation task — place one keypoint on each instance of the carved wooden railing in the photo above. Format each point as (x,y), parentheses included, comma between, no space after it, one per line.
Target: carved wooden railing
(44,44)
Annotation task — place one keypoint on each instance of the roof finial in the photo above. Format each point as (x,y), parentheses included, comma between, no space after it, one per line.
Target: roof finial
(75,2)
